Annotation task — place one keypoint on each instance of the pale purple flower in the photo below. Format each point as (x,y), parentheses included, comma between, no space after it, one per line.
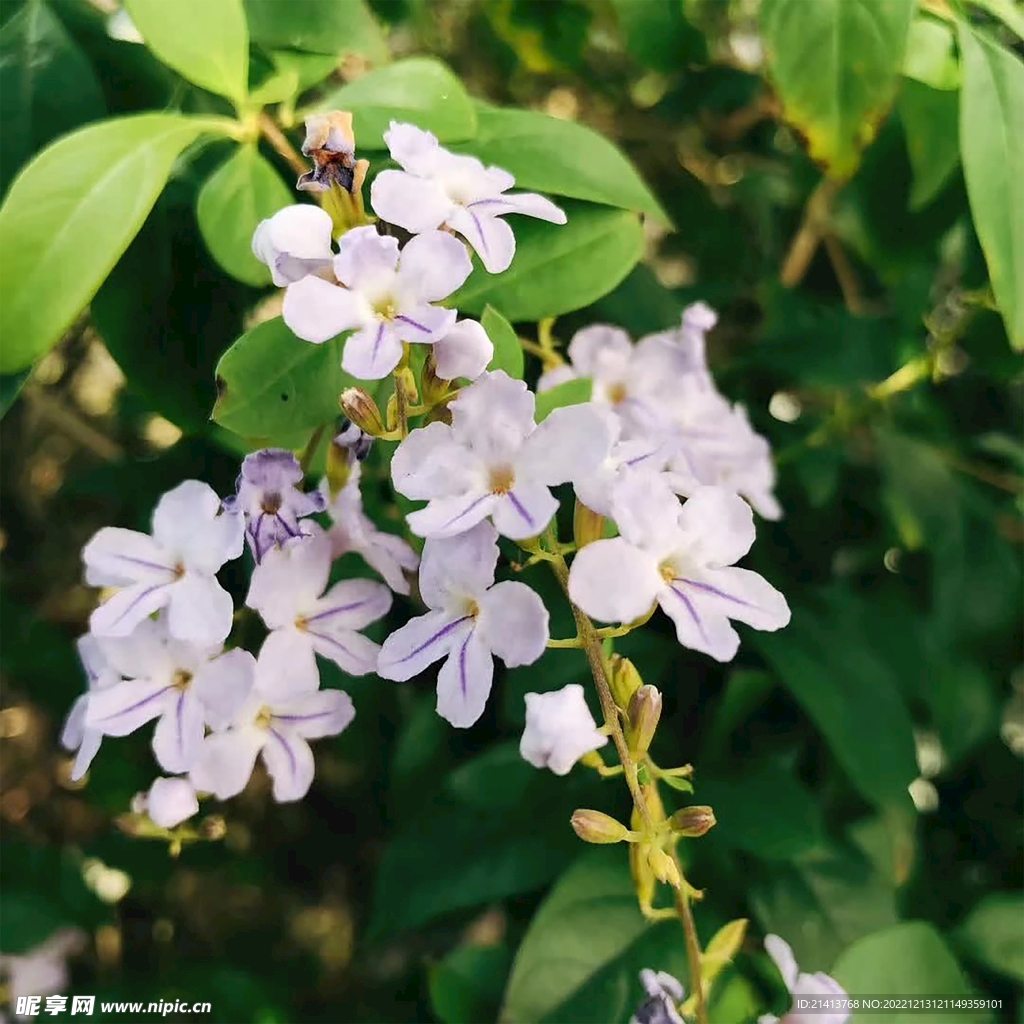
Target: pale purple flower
(495,461)
(559,729)
(168,802)
(174,568)
(287,589)
(471,620)
(353,530)
(295,242)
(277,717)
(681,557)
(441,189)
(463,352)
(354,439)
(800,984)
(267,495)
(42,970)
(185,686)
(664,994)
(385,296)
(76,735)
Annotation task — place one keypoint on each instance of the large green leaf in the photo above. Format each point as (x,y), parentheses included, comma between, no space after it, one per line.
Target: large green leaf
(244,190)
(834,64)
(931,55)
(929,119)
(586,946)
(558,268)
(560,157)
(908,959)
(569,392)
(466,986)
(991,934)
(508,353)
(992,150)
(205,41)
(658,35)
(851,691)
(334,27)
(48,86)
(273,386)
(58,244)
(420,89)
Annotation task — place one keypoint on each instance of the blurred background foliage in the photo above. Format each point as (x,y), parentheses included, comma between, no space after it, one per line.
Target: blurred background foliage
(864,764)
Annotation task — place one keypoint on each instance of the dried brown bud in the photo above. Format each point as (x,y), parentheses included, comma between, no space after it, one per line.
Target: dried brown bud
(644,714)
(693,821)
(332,146)
(597,827)
(359,406)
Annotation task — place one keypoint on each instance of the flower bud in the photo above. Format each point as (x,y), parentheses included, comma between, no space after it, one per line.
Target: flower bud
(694,821)
(359,406)
(644,714)
(432,386)
(332,146)
(664,867)
(212,827)
(597,827)
(625,680)
(587,525)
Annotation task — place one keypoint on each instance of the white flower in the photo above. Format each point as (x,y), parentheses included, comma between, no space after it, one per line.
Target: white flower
(43,970)
(168,802)
(174,568)
(353,530)
(664,993)
(185,686)
(277,717)
(559,729)
(464,351)
(387,298)
(800,984)
(471,621)
(681,557)
(438,188)
(495,461)
(76,735)
(295,242)
(270,501)
(286,590)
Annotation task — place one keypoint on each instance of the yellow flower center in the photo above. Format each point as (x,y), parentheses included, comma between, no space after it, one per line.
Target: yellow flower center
(386,308)
(264,717)
(181,679)
(502,479)
(617,393)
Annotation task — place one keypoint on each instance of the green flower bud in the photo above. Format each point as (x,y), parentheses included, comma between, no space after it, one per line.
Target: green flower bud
(664,867)
(597,827)
(625,680)
(644,714)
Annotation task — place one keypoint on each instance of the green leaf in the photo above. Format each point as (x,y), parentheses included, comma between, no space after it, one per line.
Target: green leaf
(834,65)
(851,691)
(931,56)
(205,41)
(466,986)
(508,353)
(658,35)
(244,190)
(10,387)
(558,268)
(274,386)
(586,945)
(678,783)
(570,392)
(823,901)
(48,86)
(58,244)
(929,119)
(991,934)
(560,157)
(992,151)
(905,960)
(334,27)
(419,89)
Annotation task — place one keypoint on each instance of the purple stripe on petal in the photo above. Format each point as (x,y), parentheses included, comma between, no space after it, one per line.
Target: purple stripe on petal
(141,597)
(480,228)
(714,590)
(304,718)
(287,749)
(331,641)
(486,202)
(641,458)
(413,323)
(337,611)
(437,636)
(138,704)
(462,663)
(144,563)
(693,611)
(377,341)
(518,506)
(465,512)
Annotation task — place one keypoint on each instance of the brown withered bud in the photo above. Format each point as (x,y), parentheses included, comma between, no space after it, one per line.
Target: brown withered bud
(332,146)
(358,405)
(597,827)
(694,821)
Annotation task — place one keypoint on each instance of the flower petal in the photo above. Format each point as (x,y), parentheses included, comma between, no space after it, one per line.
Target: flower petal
(366,260)
(73,732)
(114,557)
(226,760)
(188,522)
(457,570)
(699,625)
(88,749)
(414,148)
(296,237)
(593,345)
(122,708)
(350,604)
(433,265)
(524,511)
(420,642)
(448,517)
(614,581)
(779,950)
(350,651)
(430,463)
(514,623)
(179,733)
(491,237)
(286,663)
(312,715)
(416,204)
(464,351)
(123,611)
(738,593)
(571,442)
(289,761)
(199,610)
(223,685)
(495,406)
(390,556)
(317,310)
(424,323)
(527,203)
(169,802)
(464,682)
(720,524)
(289,579)
(373,352)
(647,513)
